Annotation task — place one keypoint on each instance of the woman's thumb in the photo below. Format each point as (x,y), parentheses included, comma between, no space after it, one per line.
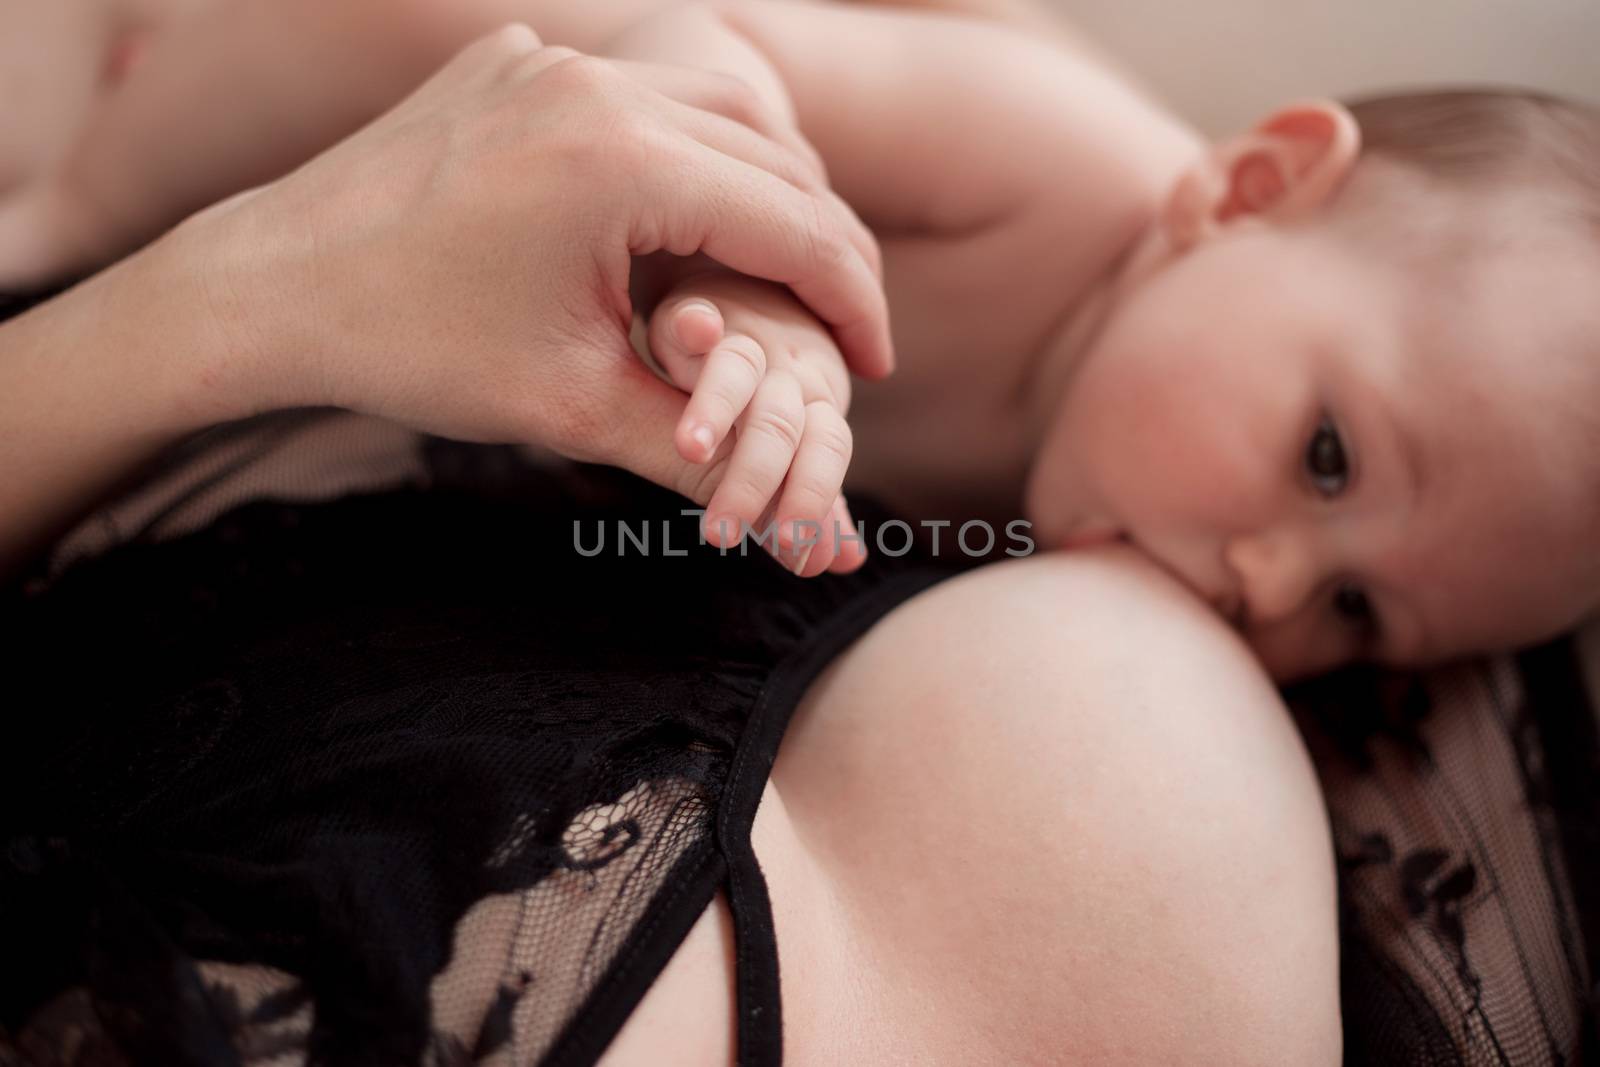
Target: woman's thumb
(642,414)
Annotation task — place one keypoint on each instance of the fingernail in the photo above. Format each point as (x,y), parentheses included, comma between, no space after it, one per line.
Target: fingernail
(805,556)
(703,437)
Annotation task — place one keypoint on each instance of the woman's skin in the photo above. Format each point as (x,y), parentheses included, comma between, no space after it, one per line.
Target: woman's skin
(1092,837)
(1045,852)
(431,270)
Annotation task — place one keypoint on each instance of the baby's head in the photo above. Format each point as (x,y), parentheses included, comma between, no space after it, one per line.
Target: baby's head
(1349,388)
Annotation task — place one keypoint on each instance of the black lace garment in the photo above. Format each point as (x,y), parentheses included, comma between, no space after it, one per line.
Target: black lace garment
(1465,804)
(399,778)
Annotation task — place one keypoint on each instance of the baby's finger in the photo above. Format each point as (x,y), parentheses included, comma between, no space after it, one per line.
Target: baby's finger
(849,546)
(769,433)
(840,549)
(681,331)
(813,484)
(728,379)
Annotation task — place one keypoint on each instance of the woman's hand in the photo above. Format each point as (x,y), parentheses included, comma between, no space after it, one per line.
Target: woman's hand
(462,265)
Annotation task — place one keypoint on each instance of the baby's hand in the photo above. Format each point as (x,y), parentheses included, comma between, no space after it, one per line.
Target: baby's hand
(757,363)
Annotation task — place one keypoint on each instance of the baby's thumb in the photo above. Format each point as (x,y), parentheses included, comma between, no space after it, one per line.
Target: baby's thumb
(681,332)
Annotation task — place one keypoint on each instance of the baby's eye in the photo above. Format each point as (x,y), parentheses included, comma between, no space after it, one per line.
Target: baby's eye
(1325,459)
(1352,605)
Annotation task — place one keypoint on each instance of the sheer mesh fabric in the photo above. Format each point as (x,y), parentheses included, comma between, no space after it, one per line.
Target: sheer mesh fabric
(1463,803)
(393,778)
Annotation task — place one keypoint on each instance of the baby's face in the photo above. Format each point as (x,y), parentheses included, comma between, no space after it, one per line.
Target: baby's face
(1365,464)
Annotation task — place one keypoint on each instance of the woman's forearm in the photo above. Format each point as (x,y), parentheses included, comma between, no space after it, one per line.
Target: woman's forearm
(99,381)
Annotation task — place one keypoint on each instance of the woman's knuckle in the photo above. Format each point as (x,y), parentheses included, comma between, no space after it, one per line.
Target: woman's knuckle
(826,244)
(579,71)
(738,99)
(513,40)
(800,171)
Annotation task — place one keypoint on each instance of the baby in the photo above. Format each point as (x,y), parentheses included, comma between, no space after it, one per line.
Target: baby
(1336,374)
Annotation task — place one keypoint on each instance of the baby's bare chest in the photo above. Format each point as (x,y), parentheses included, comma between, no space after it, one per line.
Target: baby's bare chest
(970,312)
(972,316)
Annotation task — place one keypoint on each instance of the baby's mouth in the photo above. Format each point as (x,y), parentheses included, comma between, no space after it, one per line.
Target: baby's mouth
(1093,532)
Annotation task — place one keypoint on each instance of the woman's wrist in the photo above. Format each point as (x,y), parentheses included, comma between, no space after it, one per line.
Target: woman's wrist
(99,381)
(234,309)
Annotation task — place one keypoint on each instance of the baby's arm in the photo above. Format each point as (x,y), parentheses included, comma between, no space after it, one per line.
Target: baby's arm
(939,124)
(1045,21)
(1030,15)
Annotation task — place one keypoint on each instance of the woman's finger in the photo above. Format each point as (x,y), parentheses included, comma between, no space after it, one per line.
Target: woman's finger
(860,235)
(743,143)
(513,50)
(747,130)
(728,96)
(749,215)
(758,224)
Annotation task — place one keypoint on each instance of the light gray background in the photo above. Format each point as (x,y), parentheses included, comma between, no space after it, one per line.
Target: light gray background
(1224,63)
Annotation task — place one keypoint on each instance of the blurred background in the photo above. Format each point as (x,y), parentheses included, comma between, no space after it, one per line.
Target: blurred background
(1224,63)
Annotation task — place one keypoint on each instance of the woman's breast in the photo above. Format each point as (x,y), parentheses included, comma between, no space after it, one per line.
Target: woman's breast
(831,1014)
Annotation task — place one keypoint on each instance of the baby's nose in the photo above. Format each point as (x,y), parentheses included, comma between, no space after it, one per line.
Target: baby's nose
(1276,570)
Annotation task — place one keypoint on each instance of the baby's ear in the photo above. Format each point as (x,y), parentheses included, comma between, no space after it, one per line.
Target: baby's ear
(1288,164)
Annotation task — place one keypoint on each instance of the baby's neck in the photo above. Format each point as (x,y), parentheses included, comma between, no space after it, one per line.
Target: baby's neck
(955,440)
(991,328)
